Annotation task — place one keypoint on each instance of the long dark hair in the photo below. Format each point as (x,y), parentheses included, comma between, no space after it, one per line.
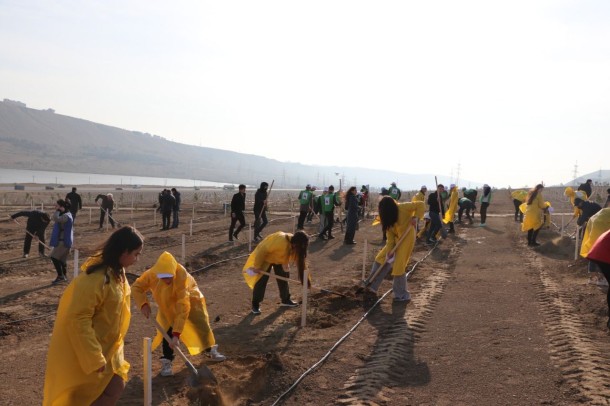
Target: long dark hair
(388,212)
(125,239)
(349,195)
(531,195)
(300,242)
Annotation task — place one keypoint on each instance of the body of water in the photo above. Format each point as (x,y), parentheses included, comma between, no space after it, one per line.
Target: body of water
(10,176)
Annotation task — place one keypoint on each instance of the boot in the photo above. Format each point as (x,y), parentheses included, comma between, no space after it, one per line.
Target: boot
(529,237)
(534,236)
(166,367)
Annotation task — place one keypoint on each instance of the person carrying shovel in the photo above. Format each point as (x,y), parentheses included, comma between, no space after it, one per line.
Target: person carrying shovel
(399,221)
(275,251)
(182,310)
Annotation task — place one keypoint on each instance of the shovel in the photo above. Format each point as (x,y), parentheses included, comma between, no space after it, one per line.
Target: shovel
(198,377)
(332,292)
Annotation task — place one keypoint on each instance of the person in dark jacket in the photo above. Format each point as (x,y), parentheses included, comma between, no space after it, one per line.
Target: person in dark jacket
(62,237)
(36,225)
(260,210)
(76,203)
(587,187)
(166,205)
(238,206)
(351,204)
(587,210)
(436,212)
(176,208)
(106,206)
(607,204)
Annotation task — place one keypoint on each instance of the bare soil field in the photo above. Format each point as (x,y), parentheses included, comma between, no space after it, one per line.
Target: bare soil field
(492,322)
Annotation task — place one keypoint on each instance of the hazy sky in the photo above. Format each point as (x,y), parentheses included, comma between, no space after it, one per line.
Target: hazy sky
(514,92)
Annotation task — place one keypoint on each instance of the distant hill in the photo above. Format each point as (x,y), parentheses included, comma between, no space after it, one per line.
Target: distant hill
(599,178)
(43,140)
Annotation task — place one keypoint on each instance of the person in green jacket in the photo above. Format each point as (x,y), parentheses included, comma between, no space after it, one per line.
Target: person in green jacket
(485,200)
(329,201)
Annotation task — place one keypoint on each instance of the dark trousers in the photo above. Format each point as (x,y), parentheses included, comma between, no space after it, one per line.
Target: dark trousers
(435,225)
(330,222)
(235,217)
(166,216)
(518,213)
(532,235)
(302,216)
(463,210)
(258,293)
(483,212)
(103,214)
(168,353)
(175,218)
(73,214)
(259,223)
(60,267)
(27,243)
(605,269)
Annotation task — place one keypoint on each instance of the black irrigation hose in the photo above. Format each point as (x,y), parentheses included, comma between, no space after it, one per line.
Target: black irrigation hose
(340,341)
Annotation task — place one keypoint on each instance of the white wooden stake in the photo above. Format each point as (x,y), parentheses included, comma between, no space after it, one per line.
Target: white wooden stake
(561,231)
(193,214)
(304,305)
(147,366)
(191,229)
(41,206)
(89,215)
(75,263)
(183,248)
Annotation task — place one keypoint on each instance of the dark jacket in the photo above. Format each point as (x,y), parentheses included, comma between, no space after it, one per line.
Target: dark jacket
(107,203)
(588,209)
(36,219)
(238,203)
(433,203)
(178,198)
(76,203)
(259,201)
(585,187)
(167,202)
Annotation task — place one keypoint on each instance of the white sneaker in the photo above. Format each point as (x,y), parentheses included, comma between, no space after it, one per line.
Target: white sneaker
(215,355)
(166,367)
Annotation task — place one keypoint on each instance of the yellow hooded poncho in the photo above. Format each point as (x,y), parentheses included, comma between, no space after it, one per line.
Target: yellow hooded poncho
(274,249)
(572,194)
(92,320)
(403,253)
(419,197)
(596,226)
(453,204)
(181,304)
(520,195)
(534,218)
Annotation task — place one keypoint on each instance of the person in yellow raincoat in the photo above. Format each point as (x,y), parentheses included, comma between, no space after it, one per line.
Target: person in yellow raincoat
(518,197)
(597,224)
(578,194)
(533,220)
(85,363)
(275,251)
(397,219)
(182,310)
(453,204)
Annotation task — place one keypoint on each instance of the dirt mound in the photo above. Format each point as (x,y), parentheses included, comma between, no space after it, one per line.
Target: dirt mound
(559,248)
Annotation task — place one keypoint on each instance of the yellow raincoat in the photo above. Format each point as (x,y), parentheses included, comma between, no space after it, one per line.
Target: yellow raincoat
(403,253)
(453,204)
(596,226)
(520,195)
(92,320)
(547,215)
(533,218)
(274,249)
(419,197)
(181,304)
(572,194)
